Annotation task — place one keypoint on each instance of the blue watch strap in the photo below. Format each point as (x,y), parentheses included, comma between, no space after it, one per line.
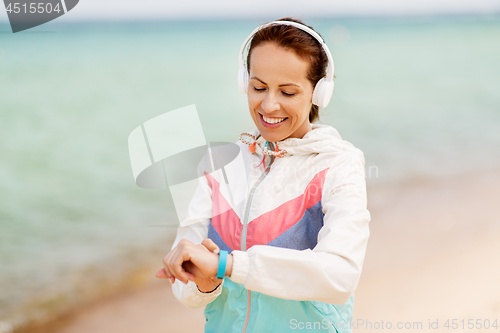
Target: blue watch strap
(221,271)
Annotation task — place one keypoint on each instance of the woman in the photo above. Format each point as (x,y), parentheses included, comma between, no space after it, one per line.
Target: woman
(297,243)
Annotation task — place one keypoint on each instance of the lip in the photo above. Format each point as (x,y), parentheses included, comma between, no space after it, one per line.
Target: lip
(271,125)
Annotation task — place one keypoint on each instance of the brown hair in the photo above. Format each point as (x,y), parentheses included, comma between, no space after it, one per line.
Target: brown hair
(302,43)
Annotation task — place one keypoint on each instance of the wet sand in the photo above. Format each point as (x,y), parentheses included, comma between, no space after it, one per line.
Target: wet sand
(433,255)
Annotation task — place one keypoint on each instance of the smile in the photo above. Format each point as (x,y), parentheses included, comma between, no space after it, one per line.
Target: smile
(273,120)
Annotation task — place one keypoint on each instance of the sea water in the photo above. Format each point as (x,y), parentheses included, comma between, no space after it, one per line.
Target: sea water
(419,96)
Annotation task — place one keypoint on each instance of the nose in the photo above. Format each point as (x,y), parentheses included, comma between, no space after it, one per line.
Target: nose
(270,103)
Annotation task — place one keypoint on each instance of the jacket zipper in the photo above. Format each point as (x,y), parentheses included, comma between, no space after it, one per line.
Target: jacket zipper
(243,242)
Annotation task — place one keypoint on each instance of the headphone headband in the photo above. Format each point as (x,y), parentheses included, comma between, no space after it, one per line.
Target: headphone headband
(323,89)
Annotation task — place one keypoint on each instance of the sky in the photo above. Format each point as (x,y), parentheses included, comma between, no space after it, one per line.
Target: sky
(189,9)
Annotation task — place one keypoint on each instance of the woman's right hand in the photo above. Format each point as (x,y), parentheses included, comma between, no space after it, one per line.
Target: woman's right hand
(205,284)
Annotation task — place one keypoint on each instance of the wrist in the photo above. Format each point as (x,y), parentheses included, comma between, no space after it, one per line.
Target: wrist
(207,290)
(229,265)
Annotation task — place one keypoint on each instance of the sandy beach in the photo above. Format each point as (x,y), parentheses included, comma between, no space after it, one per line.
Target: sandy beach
(432,257)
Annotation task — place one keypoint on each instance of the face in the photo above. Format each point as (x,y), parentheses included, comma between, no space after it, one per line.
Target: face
(279,93)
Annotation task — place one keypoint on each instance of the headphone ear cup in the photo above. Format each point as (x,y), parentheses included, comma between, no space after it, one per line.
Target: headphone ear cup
(246,80)
(243,80)
(322,93)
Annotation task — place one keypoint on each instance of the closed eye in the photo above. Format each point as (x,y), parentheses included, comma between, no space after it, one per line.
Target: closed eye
(284,93)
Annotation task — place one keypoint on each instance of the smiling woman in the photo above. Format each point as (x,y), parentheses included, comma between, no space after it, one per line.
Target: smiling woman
(293,248)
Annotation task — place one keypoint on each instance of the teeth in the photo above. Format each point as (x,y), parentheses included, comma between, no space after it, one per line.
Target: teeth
(273,120)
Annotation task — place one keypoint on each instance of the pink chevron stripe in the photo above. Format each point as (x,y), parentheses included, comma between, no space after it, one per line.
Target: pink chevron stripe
(224,218)
(272,224)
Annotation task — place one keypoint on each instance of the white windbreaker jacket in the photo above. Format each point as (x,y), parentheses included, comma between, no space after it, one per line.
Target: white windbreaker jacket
(297,228)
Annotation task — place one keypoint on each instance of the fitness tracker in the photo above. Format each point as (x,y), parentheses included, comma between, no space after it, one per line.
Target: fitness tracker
(221,271)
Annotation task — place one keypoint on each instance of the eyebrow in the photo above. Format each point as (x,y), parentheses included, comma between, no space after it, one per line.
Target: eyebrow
(281,85)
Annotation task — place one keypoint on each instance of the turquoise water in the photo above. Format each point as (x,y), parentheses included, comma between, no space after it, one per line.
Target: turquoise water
(419,96)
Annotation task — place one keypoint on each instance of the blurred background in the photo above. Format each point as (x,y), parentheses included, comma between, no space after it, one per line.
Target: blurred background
(416,90)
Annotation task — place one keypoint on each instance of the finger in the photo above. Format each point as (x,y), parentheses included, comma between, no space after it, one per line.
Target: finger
(176,258)
(181,275)
(190,270)
(166,270)
(176,269)
(172,280)
(190,276)
(210,245)
(161,274)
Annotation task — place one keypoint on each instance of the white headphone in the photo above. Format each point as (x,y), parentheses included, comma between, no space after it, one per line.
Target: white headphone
(323,89)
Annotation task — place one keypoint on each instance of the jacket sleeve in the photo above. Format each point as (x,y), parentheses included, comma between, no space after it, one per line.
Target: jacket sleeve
(330,271)
(195,229)
(189,294)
